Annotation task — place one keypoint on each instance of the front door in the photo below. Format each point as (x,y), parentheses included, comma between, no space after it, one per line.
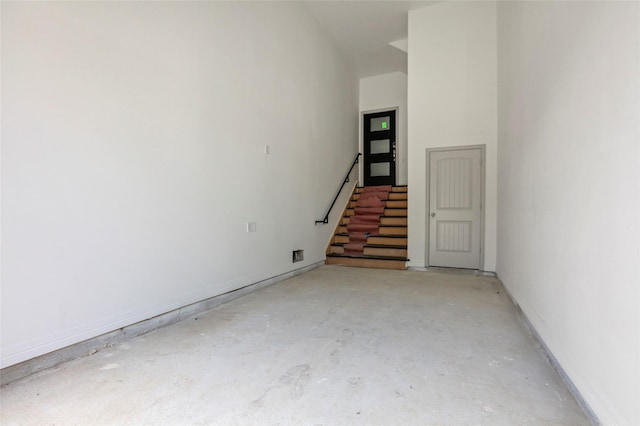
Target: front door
(379,135)
(455,208)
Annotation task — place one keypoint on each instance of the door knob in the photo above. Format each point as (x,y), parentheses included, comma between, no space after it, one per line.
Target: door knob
(433,215)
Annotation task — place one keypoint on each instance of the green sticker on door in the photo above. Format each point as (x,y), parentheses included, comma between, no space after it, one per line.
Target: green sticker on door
(384,124)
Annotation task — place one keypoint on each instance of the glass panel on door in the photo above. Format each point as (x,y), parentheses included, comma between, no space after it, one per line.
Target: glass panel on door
(380,169)
(380,123)
(382,146)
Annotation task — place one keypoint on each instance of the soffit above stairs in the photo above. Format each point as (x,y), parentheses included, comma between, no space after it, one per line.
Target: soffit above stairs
(365,29)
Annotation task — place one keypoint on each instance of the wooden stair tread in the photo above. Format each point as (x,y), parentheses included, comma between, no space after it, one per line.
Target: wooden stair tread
(389,204)
(393,196)
(365,256)
(385,221)
(387,210)
(397,188)
(382,225)
(346,234)
(381,217)
(374,245)
(383,230)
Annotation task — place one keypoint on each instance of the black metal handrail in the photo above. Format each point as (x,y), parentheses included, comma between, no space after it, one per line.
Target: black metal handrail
(346,179)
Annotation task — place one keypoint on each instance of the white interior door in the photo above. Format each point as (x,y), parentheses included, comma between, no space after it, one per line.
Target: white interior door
(455,208)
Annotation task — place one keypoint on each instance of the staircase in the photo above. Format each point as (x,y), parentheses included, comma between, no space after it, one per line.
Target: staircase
(383,244)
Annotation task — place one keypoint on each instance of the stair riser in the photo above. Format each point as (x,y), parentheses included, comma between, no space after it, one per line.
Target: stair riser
(393,221)
(393,189)
(396,204)
(386,240)
(390,204)
(340,239)
(379,251)
(387,212)
(383,221)
(395,212)
(392,196)
(372,251)
(367,263)
(393,230)
(383,230)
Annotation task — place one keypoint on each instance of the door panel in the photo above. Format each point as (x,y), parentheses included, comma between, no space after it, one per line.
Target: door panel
(454,183)
(379,138)
(455,208)
(454,236)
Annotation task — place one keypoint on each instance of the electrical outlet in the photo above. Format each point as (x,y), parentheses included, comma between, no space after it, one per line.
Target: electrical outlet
(251,227)
(267,149)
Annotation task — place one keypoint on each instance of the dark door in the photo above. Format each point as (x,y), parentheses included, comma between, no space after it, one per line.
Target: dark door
(379,148)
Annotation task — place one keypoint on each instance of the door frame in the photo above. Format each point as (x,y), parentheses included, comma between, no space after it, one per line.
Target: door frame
(483,203)
(396,109)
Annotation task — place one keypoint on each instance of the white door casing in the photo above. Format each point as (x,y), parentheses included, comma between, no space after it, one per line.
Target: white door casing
(455,208)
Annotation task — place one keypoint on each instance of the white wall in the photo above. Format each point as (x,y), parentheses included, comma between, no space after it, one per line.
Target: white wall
(569,173)
(388,91)
(452,102)
(133,156)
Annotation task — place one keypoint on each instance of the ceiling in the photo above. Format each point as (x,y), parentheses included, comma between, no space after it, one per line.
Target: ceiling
(364,30)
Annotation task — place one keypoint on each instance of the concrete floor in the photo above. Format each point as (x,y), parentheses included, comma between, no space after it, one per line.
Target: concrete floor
(335,346)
